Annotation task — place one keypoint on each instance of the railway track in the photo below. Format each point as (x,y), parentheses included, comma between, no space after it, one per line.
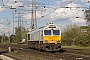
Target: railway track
(64,54)
(35,54)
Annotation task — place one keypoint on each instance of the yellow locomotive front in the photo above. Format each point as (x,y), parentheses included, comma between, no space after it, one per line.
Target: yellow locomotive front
(52,37)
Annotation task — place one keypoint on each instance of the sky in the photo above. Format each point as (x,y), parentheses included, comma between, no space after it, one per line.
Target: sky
(46,11)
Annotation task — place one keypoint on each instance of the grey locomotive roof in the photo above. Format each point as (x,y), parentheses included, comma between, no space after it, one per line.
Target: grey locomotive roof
(50,25)
(35,30)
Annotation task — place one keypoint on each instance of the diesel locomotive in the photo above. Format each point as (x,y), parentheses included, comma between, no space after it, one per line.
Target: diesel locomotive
(47,38)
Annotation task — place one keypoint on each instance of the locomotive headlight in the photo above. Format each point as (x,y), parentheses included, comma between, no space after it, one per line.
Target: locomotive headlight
(58,41)
(46,41)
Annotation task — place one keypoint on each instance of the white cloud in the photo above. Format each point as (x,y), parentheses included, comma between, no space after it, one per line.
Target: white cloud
(27,16)
(2,21)
(12,3)
(66,12)
(77,20)
(1,26)
(55,13)
(1,9)
(4,27)
(86,1)
(62,13)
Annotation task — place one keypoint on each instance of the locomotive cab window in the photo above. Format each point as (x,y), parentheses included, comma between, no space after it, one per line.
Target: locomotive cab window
(56,32)
(47,32)
(28,36)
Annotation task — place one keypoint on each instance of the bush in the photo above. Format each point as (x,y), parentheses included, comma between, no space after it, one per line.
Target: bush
(69,34)
(82,40)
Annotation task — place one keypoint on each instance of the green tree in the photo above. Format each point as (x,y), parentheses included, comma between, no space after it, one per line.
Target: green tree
(69,34)
(72,34)
(21,33)
(87,16)
(82,40)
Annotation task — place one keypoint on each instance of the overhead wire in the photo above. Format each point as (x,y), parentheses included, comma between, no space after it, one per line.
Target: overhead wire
(5,2)
(67,2)
(64,7)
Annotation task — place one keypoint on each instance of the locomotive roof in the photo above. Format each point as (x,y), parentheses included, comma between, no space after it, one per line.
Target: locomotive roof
(50,25)
(35,30)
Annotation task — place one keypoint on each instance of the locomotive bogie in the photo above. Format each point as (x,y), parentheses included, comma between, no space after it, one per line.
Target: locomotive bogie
(45,46)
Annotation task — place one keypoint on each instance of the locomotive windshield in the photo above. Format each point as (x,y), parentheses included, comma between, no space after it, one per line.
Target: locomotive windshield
(56,32)
(47,32)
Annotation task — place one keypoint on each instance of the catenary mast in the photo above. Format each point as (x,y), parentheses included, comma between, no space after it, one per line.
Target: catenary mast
(33,16)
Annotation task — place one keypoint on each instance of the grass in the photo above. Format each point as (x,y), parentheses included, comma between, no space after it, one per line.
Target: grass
(17,52)
(77,47)
(83,49)
(36,58)
(73,46)
(31,57)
